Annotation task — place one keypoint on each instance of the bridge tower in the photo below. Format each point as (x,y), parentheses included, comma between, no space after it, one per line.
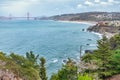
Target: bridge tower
(28,16)
(10,16)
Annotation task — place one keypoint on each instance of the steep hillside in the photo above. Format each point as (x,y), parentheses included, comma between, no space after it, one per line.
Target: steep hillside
(88,16)
(106,26)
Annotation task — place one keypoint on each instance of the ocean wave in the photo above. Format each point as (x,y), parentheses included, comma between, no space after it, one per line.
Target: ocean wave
(54,60)
(100,35)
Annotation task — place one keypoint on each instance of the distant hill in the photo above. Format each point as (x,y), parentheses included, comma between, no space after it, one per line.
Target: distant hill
(87,16)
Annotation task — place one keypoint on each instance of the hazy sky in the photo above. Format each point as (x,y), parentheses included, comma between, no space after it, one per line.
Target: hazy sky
(53,7)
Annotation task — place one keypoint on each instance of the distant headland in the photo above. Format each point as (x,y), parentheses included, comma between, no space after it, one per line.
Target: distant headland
(87,16)
(107,23)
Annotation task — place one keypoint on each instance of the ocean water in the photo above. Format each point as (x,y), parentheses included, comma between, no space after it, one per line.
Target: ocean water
(56,41)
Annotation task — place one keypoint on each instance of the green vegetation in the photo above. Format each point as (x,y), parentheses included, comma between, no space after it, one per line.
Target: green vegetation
(67,72)
(115,42)
(26,68)
(105,58)
(42,72)
(96,66)
(84,77)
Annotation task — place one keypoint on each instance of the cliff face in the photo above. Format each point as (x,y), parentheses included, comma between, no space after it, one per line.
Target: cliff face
(106,26)
(88,16)
(5,74)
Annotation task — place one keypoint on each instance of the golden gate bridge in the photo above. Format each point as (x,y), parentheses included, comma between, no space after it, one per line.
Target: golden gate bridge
(27,17)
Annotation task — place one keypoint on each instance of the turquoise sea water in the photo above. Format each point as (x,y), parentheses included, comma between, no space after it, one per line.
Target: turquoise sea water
(53,40)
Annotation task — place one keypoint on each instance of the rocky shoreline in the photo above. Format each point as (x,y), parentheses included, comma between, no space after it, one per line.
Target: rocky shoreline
(107,28)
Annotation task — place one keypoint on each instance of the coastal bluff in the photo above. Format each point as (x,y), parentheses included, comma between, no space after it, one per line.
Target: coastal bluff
(104,27)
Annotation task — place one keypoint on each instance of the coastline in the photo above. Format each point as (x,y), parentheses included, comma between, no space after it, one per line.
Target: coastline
(107,34)
(92,23)
(99,34)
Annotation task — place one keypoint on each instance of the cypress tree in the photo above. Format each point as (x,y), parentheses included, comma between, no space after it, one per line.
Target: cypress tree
(42,72)
(103,55)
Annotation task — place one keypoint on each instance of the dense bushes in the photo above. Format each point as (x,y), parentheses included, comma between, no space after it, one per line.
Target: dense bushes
(26,68)
(84,77)
(105,58)
(67,72)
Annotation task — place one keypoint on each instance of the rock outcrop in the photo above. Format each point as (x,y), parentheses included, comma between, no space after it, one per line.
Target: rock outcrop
(105,26)
(6,74)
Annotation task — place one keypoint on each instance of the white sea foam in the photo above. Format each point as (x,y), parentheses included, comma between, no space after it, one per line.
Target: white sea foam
(55,60)
(100,35)
(93,45)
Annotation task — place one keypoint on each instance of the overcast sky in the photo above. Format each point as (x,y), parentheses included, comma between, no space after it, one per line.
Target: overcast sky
(53,7)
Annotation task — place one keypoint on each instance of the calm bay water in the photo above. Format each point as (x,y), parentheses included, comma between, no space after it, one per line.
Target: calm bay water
(55,41)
